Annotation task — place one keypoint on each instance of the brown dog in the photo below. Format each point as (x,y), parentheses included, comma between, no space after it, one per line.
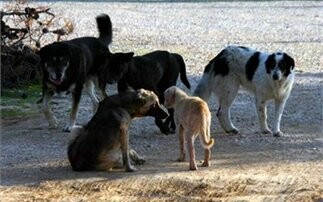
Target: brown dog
(97,145)
(192,118)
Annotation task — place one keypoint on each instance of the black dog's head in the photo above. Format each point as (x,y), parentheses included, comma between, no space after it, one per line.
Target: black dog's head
(279,65)
(117,66)
(55,60)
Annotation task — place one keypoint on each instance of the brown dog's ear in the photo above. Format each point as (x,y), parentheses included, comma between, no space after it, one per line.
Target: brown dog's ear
(140,97)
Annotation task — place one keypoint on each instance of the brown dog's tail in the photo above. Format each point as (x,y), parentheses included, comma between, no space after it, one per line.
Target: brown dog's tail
(205,137)
(105,28)
(182,70)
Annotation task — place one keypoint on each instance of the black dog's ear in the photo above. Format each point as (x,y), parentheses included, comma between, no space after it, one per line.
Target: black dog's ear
(126,57)
(73,53)
(122,57)
(289,62)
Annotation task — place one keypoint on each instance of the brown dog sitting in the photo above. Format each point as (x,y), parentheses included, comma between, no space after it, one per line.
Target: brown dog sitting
(192,118)
(96,146)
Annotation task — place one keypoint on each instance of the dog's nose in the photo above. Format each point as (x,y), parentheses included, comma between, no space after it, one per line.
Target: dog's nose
(275,76)
(58,75)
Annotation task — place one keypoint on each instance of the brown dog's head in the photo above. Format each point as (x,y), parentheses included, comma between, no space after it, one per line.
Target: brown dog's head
(148,105)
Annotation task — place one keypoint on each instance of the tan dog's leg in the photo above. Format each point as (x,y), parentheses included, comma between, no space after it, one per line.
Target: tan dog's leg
(124,142)
(207,157)
(190,145)
(181,143)
(207,151)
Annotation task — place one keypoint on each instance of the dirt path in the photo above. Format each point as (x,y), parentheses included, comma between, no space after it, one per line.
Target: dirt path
(248,167)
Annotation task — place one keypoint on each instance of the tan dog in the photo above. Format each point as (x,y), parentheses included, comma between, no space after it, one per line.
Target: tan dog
(192,118)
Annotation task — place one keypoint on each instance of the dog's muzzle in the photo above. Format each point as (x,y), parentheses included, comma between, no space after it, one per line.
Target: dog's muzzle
(57,81)
(157,111)
(276,77)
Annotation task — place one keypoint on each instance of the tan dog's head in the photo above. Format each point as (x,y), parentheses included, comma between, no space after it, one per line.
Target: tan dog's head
(149,105)
(170,95)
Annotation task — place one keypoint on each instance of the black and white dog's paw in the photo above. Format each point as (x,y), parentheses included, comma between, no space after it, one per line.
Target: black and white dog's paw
(68,128)
(278,134)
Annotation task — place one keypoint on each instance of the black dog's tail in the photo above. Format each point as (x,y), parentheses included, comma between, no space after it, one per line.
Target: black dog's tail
(182,70)
(105,28)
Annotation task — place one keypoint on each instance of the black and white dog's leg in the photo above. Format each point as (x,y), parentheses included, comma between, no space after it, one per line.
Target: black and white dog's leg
(261,105)
(76,95)
(47,95)
(89,85)
(225,101)
(279,108)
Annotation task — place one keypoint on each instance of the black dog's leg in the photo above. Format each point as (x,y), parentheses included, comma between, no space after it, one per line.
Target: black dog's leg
(76,95)
(47,95)
(169,122)
(163,128)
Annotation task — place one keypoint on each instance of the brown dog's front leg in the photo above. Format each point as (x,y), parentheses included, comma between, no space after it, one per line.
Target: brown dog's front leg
(124,142)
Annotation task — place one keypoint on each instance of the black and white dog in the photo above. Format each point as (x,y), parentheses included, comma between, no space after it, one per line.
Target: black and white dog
(267,76)
(68,65)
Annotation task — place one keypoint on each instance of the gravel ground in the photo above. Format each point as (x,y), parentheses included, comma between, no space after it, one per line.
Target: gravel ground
(248,167)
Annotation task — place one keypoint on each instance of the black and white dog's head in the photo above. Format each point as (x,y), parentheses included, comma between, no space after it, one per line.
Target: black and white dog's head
(55,59)
(279,65)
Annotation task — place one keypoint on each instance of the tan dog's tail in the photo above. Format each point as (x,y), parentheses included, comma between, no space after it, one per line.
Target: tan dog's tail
(205,137)
(207,144)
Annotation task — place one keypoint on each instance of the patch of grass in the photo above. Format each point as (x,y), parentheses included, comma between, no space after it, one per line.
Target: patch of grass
(20,102)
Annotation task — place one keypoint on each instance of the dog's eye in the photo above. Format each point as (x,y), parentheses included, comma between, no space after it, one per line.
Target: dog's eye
(272,64)
(154,105)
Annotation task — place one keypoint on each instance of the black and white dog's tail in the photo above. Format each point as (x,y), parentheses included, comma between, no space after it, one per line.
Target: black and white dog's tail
(203,88)
(182,70)
(105,28)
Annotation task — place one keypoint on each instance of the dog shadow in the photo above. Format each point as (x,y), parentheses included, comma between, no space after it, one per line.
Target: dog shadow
(45,158)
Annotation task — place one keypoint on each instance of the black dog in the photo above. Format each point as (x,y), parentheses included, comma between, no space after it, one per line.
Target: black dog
(97,145)
(155,71)
(68,65)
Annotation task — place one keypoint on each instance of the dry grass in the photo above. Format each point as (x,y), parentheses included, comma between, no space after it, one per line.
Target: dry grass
(251,167)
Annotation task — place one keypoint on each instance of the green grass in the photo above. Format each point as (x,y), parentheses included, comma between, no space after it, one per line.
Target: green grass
(20,102)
